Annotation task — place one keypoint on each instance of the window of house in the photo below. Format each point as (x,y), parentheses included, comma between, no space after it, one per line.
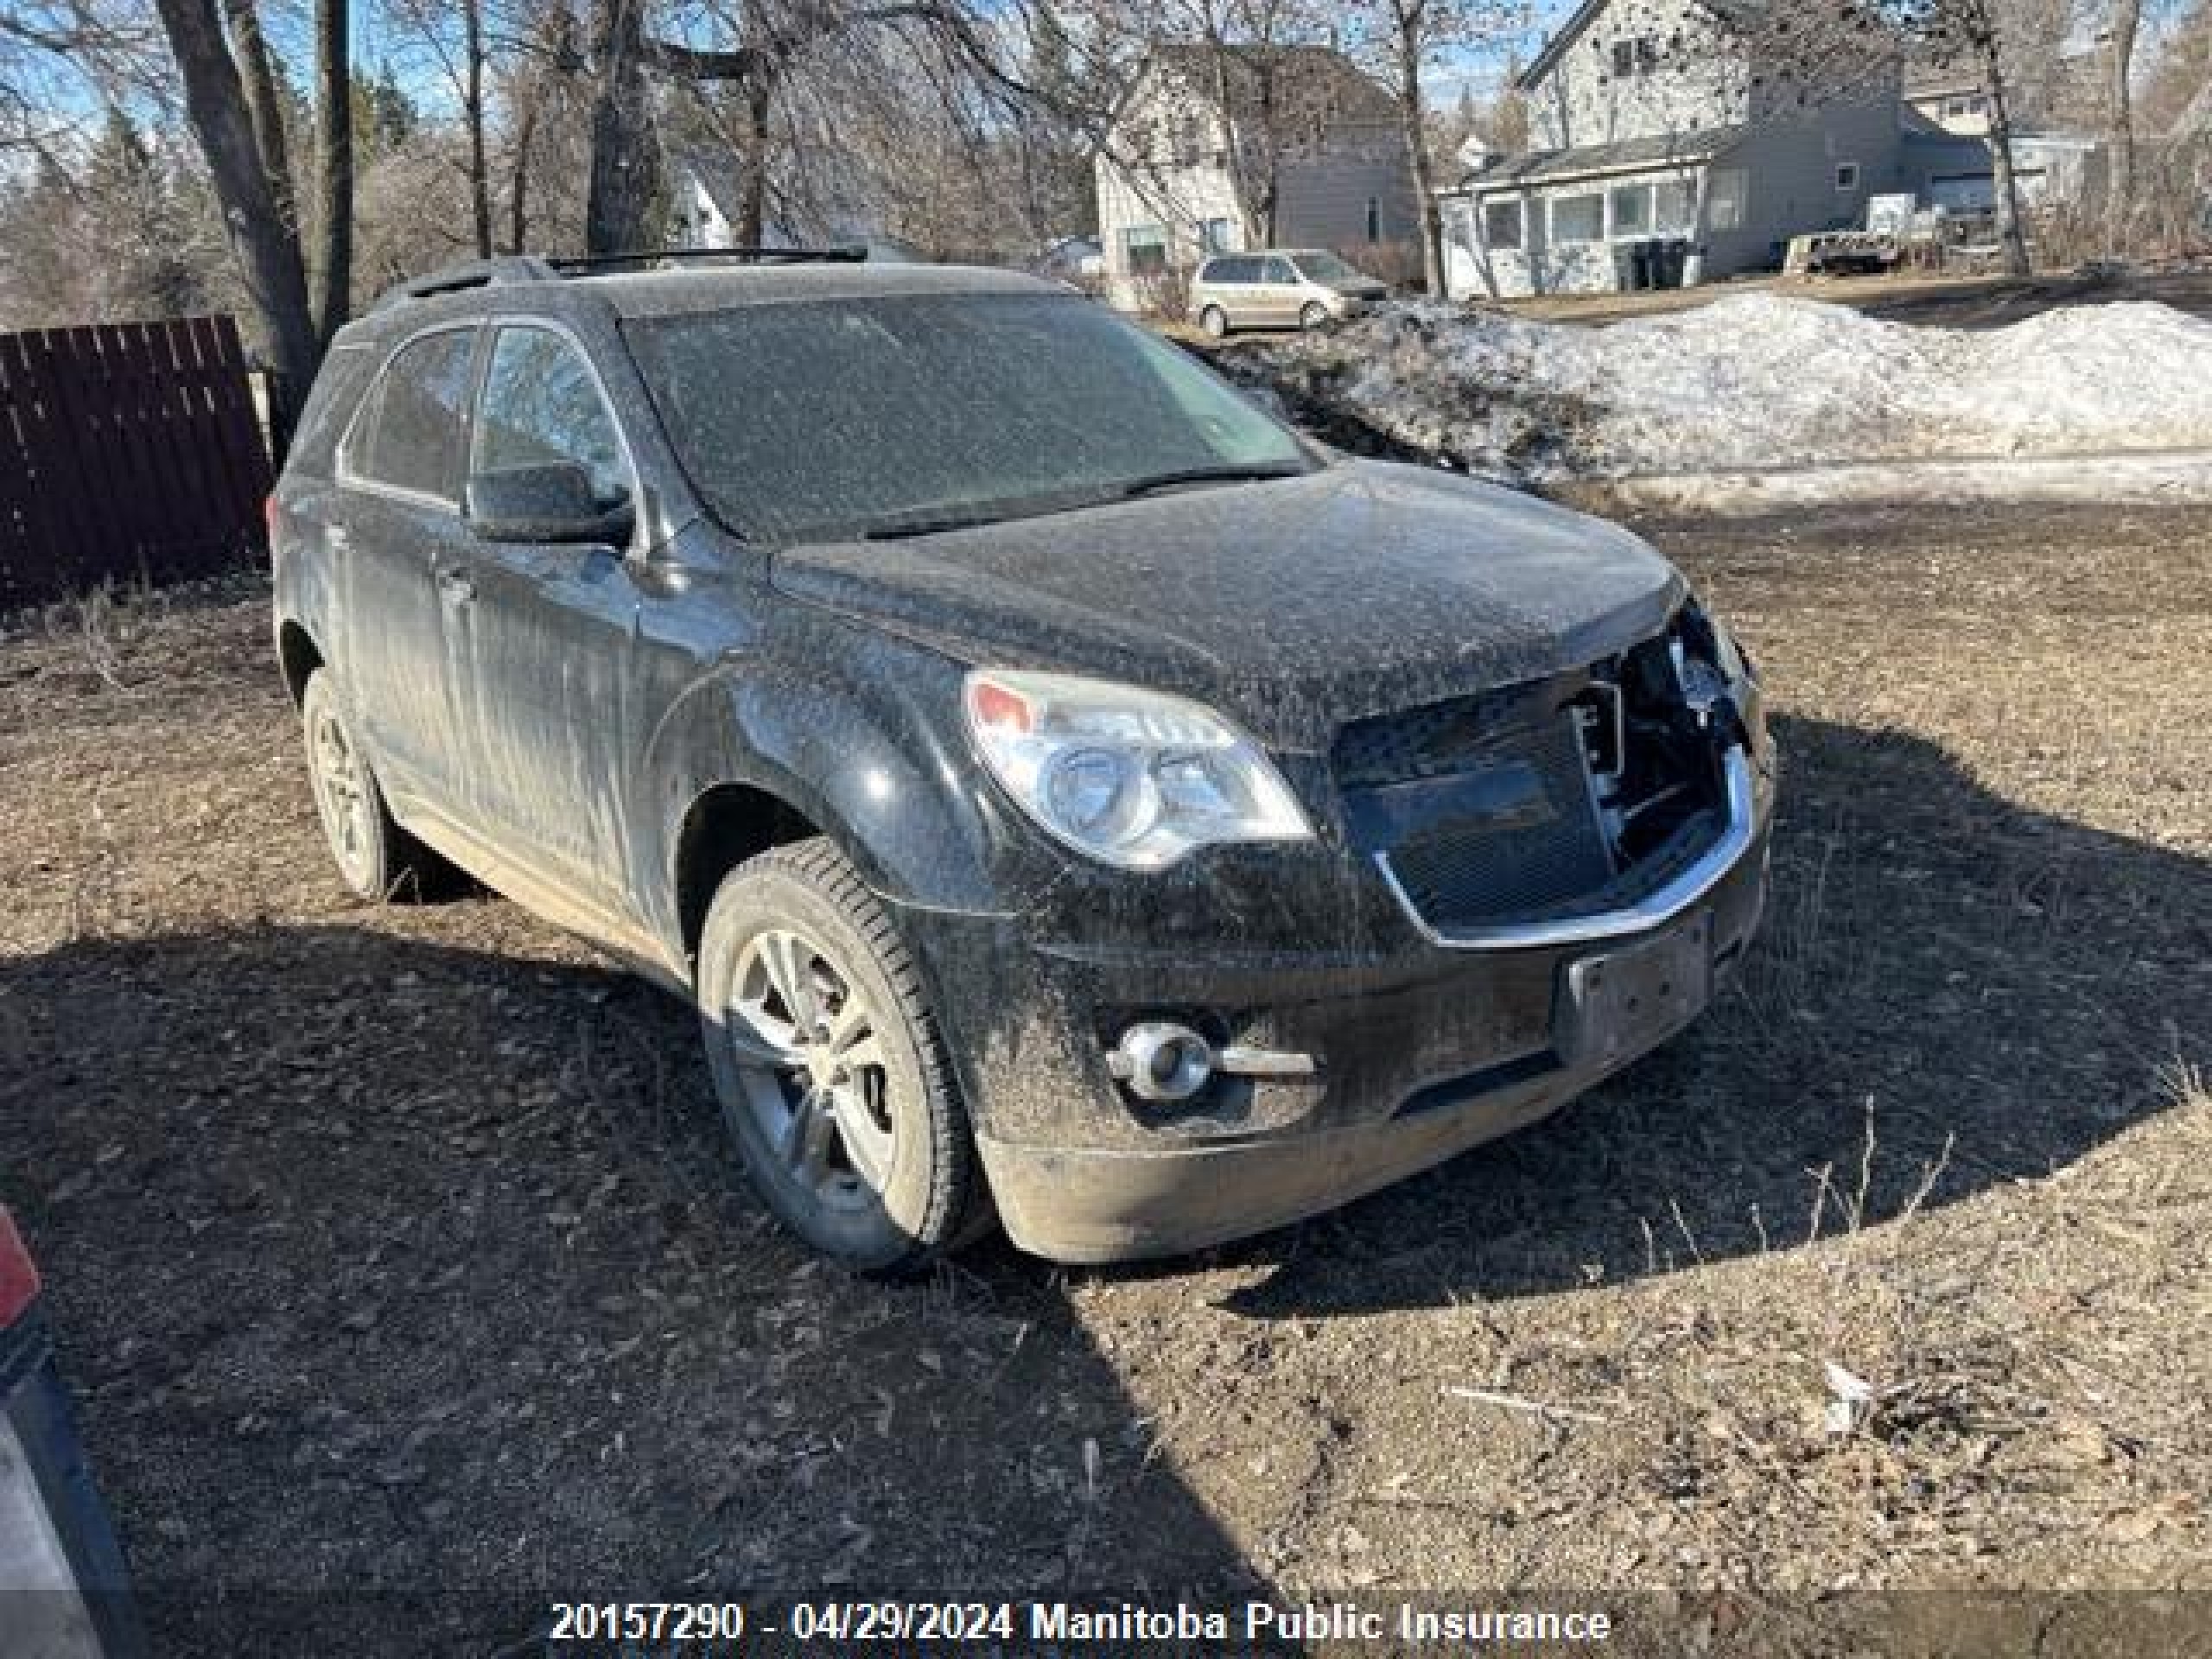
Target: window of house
(1144,249)
(1632,209)
(1578,218)
(1847,175)
(1647,55)
(1673,207)
(1636,57)
(409,432)
(1502,225)
(541,404)
(1190,141)
(1727,198)
(1375,219)
(1623,57)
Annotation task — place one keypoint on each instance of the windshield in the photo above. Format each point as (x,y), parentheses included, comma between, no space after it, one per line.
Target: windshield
(1327,268)
(831,419)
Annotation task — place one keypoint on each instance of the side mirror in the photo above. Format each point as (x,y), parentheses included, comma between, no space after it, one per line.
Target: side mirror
(550,503)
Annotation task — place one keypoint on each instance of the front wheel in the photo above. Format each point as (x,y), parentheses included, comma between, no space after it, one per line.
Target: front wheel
(1215,322)
(827,1065)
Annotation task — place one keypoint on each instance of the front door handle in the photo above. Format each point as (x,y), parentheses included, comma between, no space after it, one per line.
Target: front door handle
(456,584)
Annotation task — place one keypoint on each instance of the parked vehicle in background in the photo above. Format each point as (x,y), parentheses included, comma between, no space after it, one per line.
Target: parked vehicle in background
(64,1593)
(1301,288)
(1060,786)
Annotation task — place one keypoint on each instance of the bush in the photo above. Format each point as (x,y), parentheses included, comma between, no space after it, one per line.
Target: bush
(1164,294)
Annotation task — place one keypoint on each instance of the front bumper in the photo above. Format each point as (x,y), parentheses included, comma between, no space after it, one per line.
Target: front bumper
(1426,1047)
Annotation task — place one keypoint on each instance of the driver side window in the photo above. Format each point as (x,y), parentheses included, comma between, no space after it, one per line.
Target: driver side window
(540,405)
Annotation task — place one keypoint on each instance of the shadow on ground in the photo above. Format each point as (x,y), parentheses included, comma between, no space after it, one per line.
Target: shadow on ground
(2001,989)
(410,1289)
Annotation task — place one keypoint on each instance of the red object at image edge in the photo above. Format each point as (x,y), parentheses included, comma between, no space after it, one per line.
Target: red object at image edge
(19,1278)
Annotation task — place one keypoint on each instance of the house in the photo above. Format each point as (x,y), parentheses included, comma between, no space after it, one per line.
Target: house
(703,196)
(1214,149)
(1947,123)
(1678,121)
(1948,98)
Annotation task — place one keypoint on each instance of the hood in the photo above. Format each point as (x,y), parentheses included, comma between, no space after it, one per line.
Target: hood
(1291,605)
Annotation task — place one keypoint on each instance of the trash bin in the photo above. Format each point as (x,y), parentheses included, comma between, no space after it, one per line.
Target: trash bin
(1669,258)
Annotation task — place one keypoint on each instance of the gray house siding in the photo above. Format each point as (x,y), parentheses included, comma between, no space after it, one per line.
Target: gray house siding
(1791,179)
(1324,204)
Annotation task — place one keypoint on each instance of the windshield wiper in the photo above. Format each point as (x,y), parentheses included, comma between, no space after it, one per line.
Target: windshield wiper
(898,528)
(1229,473)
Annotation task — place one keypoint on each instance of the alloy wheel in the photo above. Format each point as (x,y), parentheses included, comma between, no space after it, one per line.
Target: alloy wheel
(810,1056)
(341,793)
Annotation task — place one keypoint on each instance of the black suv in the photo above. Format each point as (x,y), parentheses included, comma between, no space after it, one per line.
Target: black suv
(1064,789)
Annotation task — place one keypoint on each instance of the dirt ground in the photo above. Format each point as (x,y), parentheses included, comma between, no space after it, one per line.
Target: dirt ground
(408,1288)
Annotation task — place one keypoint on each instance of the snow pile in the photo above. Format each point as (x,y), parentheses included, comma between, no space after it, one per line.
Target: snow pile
(1751,382)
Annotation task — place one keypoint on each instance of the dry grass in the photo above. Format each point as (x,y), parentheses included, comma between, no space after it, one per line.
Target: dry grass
(409,1288)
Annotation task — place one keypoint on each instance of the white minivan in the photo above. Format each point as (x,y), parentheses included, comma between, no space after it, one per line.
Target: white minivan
(1270,288)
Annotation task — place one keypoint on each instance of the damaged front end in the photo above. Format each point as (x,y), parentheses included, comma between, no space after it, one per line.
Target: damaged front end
(1516,892)
(1589,805)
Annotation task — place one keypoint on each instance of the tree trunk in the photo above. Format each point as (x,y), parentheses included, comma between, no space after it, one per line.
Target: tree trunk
(263,107)
(1411,24)
(472,99)
(266,248)
(2120,203)
(625,165)
(760,97)
(2011,230)
(333,84)
(518,180)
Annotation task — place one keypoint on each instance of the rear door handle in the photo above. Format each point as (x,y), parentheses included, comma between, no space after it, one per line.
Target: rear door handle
(456,584)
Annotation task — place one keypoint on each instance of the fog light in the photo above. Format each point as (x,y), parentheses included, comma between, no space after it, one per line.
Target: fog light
(1158,1060)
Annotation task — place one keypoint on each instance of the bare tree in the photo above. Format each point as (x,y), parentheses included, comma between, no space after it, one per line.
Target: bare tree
(334,165)
(1980,35)
(267,247)
(1402,38)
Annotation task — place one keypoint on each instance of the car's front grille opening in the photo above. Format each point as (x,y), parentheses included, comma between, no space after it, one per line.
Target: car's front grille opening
(1570,795)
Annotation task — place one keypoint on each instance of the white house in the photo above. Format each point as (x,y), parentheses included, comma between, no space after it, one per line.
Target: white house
(1668,121)
(1317,145)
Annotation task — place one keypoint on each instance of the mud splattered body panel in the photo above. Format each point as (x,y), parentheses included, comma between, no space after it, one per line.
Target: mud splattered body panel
(588,728)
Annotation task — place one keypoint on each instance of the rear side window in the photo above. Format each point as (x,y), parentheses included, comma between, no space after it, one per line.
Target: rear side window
(411,433)
(1279,271)
(541,404)
(336,391)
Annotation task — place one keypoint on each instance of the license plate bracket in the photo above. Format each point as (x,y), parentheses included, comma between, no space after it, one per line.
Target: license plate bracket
(1620,1003)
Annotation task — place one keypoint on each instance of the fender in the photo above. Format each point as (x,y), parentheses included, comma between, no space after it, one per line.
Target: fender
(811,721)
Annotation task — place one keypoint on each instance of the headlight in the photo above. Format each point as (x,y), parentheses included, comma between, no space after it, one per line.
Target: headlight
(1133,777)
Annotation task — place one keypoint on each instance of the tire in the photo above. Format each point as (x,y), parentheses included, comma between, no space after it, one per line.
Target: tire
(1313,315)
(800,971)
(1215,322)
(376,859)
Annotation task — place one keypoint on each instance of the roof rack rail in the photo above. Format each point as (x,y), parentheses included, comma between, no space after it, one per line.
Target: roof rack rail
(474,273)
(537,268)
(647,258)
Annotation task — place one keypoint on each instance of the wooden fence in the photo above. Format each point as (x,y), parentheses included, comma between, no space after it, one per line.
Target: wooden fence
(129,452)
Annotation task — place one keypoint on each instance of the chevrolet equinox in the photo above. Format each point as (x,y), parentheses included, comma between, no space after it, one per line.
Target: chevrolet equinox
(1067,793)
